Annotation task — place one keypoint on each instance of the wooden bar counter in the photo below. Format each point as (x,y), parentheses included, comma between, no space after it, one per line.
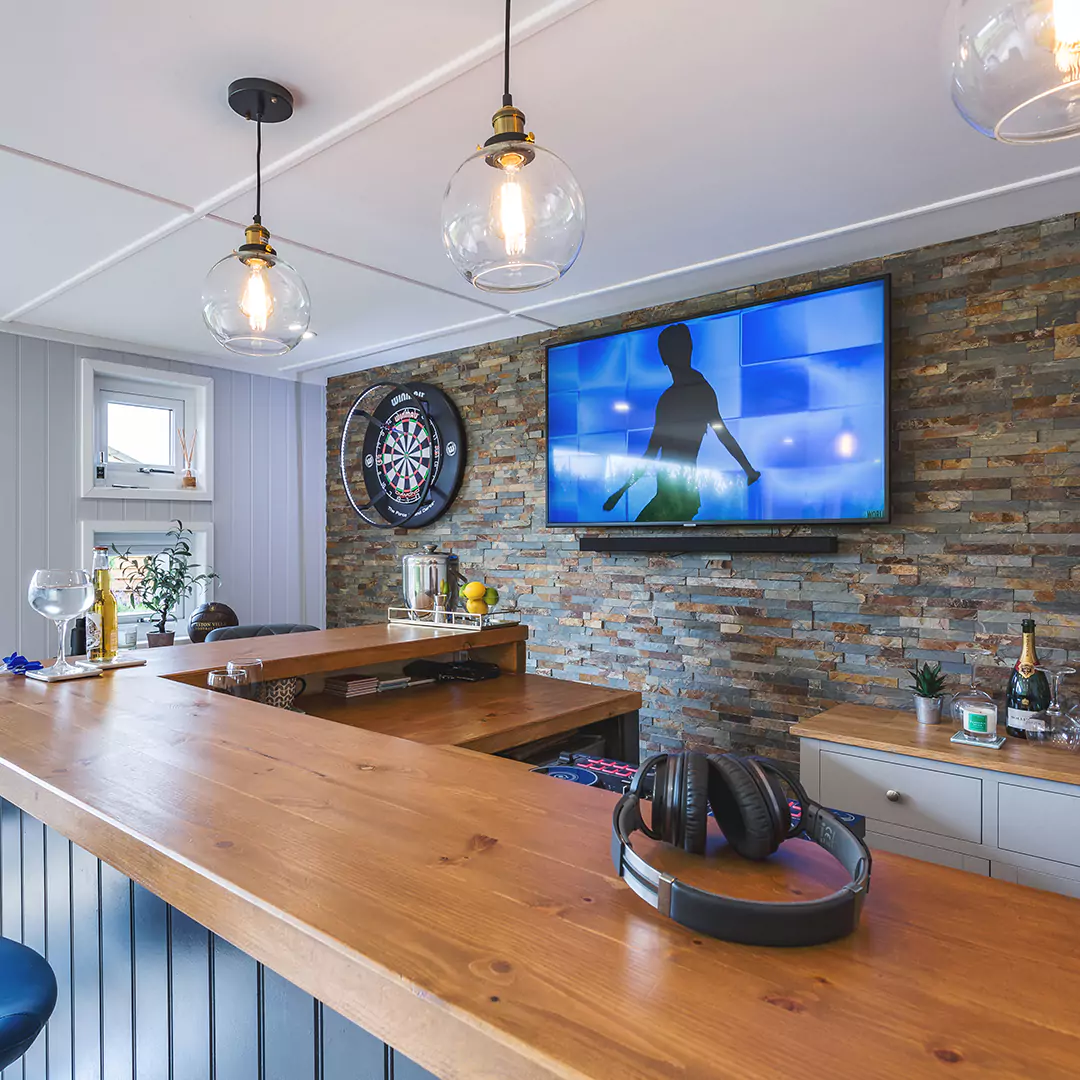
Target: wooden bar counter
(464,910)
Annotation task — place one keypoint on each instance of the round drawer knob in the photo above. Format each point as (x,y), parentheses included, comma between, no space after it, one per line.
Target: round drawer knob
(892,796)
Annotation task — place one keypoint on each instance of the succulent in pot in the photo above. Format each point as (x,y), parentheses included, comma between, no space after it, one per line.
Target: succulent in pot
(928,683)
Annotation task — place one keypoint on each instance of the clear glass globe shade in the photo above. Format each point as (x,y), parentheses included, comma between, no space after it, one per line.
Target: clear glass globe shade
(1015,67)
(516,228)
(256,307)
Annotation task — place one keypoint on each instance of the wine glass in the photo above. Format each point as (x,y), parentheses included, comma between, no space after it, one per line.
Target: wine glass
(1053,725)
(61,595)
(224,682)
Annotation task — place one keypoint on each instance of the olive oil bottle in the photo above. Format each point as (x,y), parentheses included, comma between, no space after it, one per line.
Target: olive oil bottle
(1029,690)
(101,624)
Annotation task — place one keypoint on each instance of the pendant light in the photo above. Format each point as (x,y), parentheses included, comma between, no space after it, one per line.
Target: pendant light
(513,214)
(1016,67)
(253,301)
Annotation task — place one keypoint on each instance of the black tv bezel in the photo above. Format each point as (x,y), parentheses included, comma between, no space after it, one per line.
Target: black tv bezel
(884,279)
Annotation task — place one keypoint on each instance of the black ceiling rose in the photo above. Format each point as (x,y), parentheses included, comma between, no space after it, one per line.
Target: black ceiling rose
(260,99)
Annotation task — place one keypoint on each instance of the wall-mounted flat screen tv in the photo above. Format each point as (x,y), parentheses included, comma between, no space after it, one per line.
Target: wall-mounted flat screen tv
(777,413)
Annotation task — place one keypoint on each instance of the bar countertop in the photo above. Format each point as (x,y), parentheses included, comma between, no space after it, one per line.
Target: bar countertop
(465,910)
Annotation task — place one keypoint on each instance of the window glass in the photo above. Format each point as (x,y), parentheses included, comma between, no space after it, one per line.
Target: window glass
(139,434)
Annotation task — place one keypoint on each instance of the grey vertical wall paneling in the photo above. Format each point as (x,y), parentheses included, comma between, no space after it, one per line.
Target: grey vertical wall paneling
(36,635)
(406,1069)
(348,1052)
(240,461)
(236,1012)
(85,964)
(262,519)
(311,426)
(11,889)
(281,549)
(117,974)
(34,935)
(58,912)
(189,953)
(288,1030)
(11,585)
(262,492)
(152,1028)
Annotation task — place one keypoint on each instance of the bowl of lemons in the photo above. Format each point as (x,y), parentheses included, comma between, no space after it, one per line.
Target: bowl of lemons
(479,598)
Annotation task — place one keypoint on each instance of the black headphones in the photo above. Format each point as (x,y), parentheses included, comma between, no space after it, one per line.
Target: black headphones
(751,808)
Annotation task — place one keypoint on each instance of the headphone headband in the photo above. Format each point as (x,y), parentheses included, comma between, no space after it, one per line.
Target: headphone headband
(748,922)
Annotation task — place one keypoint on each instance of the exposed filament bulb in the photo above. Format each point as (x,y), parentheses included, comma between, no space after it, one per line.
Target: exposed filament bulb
(512,215)
(257,301)
(1067,38)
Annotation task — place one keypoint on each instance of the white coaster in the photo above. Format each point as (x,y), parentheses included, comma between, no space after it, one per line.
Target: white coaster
(44,676)
(964,739)
(122,660)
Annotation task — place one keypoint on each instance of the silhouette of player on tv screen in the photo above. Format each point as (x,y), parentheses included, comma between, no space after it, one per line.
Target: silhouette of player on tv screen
(685,411)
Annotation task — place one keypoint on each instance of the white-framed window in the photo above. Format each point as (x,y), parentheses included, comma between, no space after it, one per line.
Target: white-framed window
(136,422)
(145,539)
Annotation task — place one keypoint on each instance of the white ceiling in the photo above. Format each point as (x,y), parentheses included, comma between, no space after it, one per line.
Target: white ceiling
(717,143)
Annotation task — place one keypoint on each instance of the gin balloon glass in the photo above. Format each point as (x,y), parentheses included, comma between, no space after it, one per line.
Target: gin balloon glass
(1054,726)
(61,595)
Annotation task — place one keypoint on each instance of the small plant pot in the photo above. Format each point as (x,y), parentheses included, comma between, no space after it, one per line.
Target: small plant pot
(928,710)
(156,639)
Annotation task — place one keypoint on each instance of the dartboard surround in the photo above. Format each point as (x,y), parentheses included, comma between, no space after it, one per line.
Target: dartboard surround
(413,455)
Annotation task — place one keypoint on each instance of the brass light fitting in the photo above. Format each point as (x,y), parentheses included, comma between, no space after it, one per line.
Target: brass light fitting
(509,125)
(256,244)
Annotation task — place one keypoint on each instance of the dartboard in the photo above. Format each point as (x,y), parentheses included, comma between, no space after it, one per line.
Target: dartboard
(411,454)
(407,454)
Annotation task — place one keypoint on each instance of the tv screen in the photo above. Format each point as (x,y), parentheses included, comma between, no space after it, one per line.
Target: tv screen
(770,414)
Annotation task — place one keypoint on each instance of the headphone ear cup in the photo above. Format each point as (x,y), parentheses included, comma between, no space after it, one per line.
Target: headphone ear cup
(695,805)
(663,806)
(740,809)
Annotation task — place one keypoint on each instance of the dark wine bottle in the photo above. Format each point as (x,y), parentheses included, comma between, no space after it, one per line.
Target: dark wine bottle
(1029,690)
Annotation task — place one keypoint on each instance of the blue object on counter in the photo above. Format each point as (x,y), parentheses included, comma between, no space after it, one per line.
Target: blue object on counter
(19,665)
(574,773)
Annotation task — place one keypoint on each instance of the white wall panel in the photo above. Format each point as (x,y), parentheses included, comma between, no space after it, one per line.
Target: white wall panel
(269,507)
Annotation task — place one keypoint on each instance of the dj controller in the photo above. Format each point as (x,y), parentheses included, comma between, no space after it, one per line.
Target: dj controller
(617,775)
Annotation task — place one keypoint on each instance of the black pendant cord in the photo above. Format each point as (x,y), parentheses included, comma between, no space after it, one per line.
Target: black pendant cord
(507,98)
(258,169)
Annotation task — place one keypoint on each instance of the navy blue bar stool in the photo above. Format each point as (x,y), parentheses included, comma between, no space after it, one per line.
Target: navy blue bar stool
(27,999)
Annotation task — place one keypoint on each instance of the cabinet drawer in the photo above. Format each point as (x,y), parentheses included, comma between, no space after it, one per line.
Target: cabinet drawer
(942,803)
(1033,821)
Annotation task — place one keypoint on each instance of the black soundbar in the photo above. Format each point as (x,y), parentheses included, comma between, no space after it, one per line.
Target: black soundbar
(681,542)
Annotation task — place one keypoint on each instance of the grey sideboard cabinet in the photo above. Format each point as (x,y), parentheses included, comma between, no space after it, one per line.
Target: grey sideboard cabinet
(1010,826)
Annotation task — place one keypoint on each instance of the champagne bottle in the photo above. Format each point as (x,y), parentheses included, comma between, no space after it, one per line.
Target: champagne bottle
(101,624)
(1029,690)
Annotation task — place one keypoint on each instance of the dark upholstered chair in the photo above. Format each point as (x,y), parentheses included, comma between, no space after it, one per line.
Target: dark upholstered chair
(27,999)
(227,633)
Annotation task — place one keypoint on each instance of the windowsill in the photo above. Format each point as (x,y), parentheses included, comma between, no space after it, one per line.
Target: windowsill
(168,494)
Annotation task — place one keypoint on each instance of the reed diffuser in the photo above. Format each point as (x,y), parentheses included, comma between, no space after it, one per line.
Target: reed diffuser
(187,452)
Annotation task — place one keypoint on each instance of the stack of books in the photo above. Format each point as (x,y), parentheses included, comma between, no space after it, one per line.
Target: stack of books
(352,685)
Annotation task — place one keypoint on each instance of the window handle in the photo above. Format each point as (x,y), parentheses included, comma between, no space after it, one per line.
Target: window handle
(146,470)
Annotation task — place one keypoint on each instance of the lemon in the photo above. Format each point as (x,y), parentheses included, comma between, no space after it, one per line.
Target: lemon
(491,597)
(475,590)
(476,607)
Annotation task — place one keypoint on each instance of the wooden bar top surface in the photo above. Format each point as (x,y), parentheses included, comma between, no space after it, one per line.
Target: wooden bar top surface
(464,909)
(897,732)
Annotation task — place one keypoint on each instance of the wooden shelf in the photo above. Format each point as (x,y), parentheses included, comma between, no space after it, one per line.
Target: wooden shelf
(488,716)
(897,732)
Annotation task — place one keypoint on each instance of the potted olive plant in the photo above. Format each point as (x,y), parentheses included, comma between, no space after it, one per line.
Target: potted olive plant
(929,686)
(160,581)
